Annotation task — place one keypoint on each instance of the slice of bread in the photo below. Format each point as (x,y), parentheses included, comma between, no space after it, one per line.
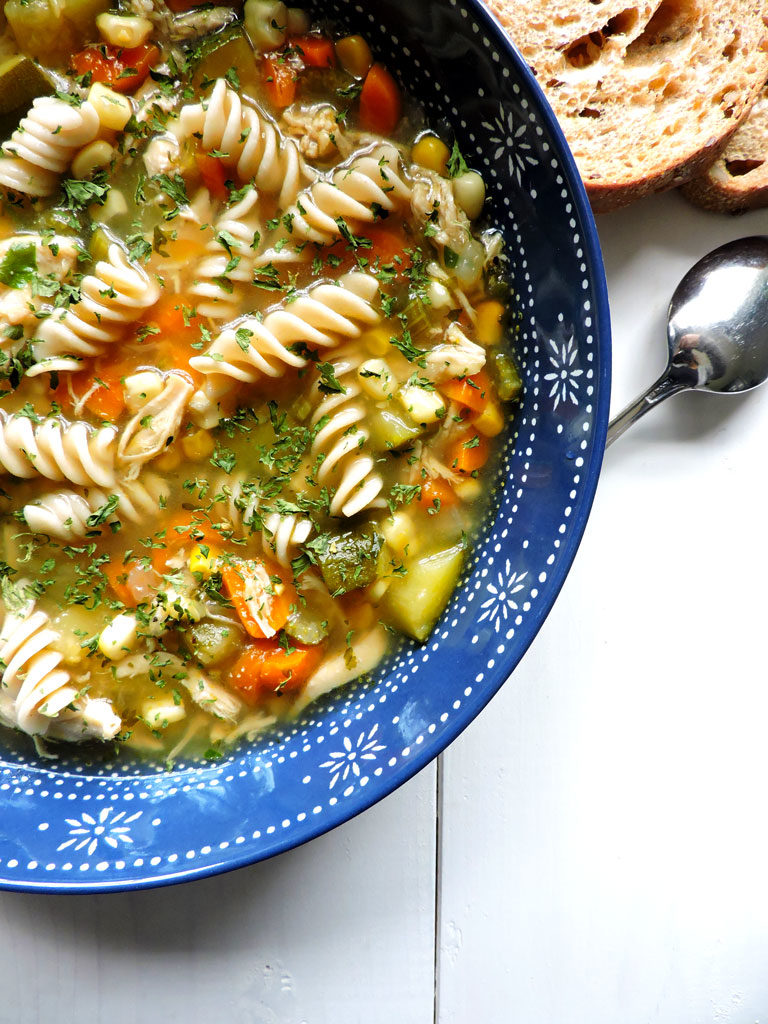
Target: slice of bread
(738,180)
(648,92)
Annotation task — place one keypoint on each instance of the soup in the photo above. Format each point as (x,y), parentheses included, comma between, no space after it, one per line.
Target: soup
(254,369)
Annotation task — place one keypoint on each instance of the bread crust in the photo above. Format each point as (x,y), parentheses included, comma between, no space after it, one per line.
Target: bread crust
(649,92)
(738,180)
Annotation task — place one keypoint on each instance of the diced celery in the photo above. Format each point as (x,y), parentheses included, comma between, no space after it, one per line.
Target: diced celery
(212,642)
(414,602)
(508,379)
(391,430)
(99,244)
(220,51)
(307,624)
(350,560)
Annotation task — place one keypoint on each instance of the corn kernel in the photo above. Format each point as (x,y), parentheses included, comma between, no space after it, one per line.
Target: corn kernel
(113,109)
(431,153)
(158,715)
(398,532)
(122,30)
(424,406)
(469,489)
(169,460)
(119,637)
(198,446)
(489,322)
(490,421)
(93,157)
(377,340)
(201,562)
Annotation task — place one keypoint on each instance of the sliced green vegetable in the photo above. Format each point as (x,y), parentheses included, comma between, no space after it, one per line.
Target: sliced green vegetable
(350,560)
(307,624)
(220,51)
(390,429)
(99,244)
(508,380)
(213,642)
(414,602)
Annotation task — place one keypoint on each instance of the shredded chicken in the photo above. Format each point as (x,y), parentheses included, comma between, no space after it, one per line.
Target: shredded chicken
(457,356)
(162,155)
(202,22)
(155,424)
(432,200)
(316,130)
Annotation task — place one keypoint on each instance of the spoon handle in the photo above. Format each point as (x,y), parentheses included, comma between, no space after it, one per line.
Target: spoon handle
(664,388)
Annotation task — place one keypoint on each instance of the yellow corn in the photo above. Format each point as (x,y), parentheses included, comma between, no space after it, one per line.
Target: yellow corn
(354,55)
(95,156)
(377,340)
(488,324)
(113,109)
(169,460)
(432,153)
(198,446)
(490,421)
(201,562)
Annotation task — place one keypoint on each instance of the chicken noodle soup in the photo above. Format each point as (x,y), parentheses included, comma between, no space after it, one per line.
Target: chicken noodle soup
(253,367)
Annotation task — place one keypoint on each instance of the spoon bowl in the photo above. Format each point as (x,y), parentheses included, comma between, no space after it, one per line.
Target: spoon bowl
(717,329)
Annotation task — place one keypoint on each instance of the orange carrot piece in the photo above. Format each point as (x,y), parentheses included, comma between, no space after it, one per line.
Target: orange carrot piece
(316,51)
(436,495)
(185,529)
(117,573)
(469,452)
(470,392)
(214,175)
(380,101)
(266,669)
(253,601)
(280,81)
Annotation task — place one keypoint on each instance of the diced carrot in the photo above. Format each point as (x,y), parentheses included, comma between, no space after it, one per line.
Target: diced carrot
(258,600)
(266,669)
(280,81)
(214,175)
(380,101)
(122,70)
(469,392)
(386,244)
(436,495)
(184,530)
(178,328)
(469,452)
(316,51)
(117,574)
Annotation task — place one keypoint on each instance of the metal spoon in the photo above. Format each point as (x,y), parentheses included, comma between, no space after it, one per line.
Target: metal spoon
(717,329)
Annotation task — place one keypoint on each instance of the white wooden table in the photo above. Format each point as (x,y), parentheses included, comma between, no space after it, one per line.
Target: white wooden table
(593,850)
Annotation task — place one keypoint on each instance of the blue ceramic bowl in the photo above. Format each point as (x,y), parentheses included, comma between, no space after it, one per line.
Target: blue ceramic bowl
(67,826)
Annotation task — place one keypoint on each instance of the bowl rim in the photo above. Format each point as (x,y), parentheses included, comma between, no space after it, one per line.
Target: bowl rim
(429,751)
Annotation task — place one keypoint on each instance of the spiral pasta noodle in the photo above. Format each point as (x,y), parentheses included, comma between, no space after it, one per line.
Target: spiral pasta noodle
(357,193)
(42,147)
(328,313)
(347,468)
(54,449)
(112,298)
(66,514)
(36,692)
(283,535)
(253,145)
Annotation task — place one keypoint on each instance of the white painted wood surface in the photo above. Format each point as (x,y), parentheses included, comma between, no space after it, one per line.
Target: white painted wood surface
(604,839)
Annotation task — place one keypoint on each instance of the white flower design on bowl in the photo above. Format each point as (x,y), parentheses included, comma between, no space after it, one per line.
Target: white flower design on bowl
(510,138)
(342,762)
(500,605)
(88,831)
(564,376)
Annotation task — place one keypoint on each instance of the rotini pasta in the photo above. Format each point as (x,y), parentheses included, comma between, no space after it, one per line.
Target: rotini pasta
(347,467)
(112,299)
(36,691)
(251,144)
(282,534)
(42,147)
(57,450)
(256,348)
(359,193)
(70,514)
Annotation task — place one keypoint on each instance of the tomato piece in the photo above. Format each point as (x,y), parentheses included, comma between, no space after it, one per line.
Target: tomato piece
(280,80)
(260,595)
(214,175)
(471,393)
(266,669)
(469,452)
(120,69)
(437,494)
(380,101)
(316,51)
